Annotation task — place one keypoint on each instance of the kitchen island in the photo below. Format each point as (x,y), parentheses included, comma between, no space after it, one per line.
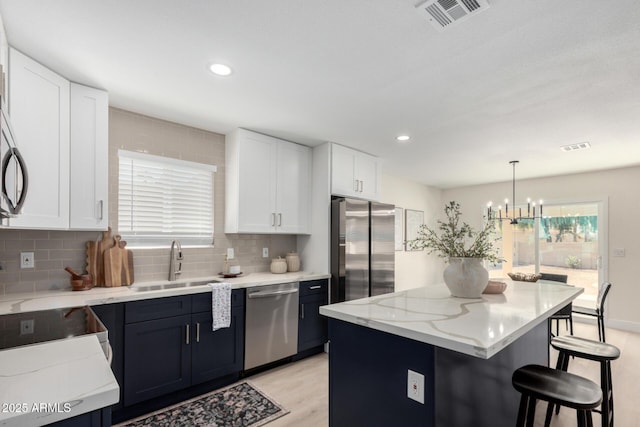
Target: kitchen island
(465,349)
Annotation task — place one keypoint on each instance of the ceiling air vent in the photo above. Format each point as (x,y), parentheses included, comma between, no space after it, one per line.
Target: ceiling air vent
(443,13)
(574,147)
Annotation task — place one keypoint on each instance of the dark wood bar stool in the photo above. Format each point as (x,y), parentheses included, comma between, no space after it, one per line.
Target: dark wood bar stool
(536,382)
(592,350)
(565,313)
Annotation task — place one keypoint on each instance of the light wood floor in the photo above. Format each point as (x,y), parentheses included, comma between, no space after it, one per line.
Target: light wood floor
(302,387)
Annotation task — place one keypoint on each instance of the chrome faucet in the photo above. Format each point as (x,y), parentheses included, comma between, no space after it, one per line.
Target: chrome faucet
(173,271)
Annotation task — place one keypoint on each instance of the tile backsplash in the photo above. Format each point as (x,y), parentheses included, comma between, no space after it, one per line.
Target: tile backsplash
(54,250)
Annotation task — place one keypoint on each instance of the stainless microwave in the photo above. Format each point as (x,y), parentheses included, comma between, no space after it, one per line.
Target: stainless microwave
(13,171)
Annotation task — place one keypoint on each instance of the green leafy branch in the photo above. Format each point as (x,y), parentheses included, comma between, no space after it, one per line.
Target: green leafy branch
(456,239)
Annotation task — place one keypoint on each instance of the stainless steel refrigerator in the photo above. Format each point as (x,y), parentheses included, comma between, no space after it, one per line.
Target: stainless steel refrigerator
(362,249)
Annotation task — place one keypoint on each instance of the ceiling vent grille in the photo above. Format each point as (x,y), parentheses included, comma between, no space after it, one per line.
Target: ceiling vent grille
(574,147)
(443,13)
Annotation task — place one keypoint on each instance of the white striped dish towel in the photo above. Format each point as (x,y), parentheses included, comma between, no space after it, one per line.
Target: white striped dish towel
(220,305)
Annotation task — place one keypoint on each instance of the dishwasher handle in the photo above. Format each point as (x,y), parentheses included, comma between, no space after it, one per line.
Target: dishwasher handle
(268,294)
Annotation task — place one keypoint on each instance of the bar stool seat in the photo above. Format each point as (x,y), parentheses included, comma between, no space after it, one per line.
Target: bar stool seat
(536,382)
(591,350)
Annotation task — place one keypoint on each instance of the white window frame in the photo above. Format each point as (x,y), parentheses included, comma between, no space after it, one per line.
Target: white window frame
(167,194)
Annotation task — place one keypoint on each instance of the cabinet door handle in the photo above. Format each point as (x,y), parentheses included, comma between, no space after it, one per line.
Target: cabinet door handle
(279,220)
(273,219)
(187,333)
(361,186)
(197,331)
(302,311)
(101,214)
(315,287)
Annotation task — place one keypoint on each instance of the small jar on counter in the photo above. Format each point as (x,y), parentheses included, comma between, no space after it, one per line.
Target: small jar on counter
(293,262)
(278,265)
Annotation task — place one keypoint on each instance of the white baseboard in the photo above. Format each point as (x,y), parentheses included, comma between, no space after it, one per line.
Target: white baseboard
(624,325)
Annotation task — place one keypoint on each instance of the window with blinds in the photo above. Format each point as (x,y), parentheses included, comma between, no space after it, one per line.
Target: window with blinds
(161,199)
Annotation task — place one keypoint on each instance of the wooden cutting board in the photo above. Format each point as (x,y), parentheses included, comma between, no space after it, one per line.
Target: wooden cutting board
(128,265)
(95,257)
(118,264)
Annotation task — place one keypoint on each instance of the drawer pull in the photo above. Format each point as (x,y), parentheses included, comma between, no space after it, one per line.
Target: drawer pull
(302,311)
(315,287)
(187,333)
(198,332)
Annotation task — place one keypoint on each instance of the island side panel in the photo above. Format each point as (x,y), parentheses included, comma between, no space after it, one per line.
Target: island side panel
(478,392)
(368,378)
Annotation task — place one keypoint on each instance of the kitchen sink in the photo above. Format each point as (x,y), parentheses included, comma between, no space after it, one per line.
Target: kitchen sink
(172,285)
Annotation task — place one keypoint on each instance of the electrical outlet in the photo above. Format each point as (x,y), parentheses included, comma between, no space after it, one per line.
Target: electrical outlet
(415,386)
(230,253)
(265,252)
(26,260)
(26,327)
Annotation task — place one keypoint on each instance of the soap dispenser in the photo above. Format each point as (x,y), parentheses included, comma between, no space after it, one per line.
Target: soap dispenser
(225,265)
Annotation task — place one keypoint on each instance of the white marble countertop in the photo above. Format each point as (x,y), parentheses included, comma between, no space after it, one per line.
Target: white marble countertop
(48,382)
(477,327)
(24,302)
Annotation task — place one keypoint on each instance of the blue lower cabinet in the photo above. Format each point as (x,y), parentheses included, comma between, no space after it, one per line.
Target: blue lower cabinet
(97,418)
(215,354)
(167,354)
(312,326)
(157,358)
(112,317)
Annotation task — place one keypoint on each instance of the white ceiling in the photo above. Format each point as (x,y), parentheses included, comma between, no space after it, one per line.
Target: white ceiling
(516,81)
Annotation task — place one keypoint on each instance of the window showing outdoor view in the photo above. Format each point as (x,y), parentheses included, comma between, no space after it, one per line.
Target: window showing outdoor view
(564,241)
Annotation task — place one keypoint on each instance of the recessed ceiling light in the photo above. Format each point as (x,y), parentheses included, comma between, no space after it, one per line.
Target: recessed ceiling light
(220,70)
(403,138)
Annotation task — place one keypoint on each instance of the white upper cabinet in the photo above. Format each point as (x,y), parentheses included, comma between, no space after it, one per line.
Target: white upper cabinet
(39,110)
(268,181)
(89,184)
(354,174)
(61,130)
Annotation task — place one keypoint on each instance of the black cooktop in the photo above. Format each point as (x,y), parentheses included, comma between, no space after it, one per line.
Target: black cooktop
(48,325)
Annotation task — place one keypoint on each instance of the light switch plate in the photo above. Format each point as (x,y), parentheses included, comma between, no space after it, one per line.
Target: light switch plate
(619,252)
(230,253)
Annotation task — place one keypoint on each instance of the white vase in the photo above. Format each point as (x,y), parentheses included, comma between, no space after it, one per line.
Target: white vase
(466,277)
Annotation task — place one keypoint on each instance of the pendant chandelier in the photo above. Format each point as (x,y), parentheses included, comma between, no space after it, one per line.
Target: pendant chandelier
(511,215)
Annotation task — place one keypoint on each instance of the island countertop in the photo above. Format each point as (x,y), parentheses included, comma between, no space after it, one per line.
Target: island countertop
(53,381)
(477,327)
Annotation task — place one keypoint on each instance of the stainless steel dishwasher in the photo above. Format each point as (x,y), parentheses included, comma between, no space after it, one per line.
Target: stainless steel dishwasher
(271,331)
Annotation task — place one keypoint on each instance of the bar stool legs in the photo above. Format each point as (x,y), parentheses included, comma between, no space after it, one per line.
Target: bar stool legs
(600,352)
(557,387)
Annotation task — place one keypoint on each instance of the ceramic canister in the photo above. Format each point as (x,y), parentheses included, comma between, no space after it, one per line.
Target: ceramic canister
(278,265)
(293,261)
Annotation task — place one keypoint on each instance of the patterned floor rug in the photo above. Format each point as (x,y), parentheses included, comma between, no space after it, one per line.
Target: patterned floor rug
(239,405)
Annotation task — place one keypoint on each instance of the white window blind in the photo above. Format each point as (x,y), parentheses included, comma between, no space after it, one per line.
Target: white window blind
(162,199)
